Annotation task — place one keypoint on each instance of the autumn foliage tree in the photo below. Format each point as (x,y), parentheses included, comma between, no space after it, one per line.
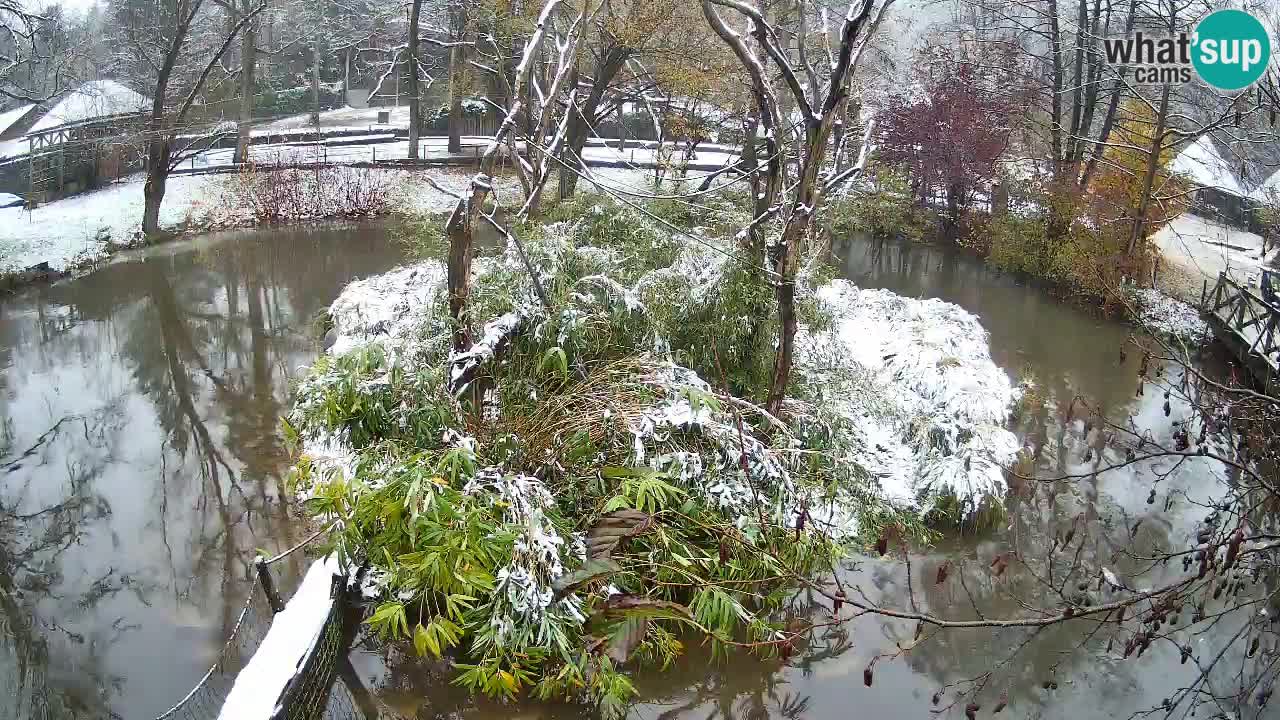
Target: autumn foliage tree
(950,130)
(1121,183)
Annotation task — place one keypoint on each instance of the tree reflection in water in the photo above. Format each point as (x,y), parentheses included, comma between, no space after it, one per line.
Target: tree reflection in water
(127,534)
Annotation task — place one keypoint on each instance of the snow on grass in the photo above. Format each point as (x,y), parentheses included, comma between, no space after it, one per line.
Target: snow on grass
(921,389)
(292,636)
(84,228)
(392,306)
(1162,314)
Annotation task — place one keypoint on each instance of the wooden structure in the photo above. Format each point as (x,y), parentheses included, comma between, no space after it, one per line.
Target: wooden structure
(71,158)
(1246,324)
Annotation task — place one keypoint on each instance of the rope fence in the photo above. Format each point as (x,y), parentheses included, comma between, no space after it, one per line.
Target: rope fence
(311,694)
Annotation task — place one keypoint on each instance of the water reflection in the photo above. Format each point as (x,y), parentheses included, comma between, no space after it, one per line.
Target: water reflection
(140,462)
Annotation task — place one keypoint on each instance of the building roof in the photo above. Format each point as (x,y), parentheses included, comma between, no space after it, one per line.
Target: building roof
(9,117)
(1201,163)
(91,101)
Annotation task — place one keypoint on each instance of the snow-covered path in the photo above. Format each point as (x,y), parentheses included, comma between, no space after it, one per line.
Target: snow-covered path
(1200,249)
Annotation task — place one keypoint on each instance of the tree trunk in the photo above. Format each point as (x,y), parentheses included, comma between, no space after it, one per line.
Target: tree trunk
(575,141)
(1149,176)
(315,86)
(1055,102)
(248,58)
(459,274)
(415,102)
(605,71)
(786,254)
(158,155)
(457,71)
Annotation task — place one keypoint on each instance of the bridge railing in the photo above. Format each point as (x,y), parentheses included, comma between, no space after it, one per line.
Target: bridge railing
(1240,310)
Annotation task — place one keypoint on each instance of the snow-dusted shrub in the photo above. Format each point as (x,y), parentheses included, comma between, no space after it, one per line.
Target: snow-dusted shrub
(885,206)
(926,406)
(283,193)
(579,487)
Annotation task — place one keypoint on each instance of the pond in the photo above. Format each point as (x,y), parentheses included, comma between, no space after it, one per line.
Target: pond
(143,469)
(142,466)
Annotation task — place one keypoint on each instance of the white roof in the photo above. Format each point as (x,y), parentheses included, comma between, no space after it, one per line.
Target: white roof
(99,98)
(9,117)
(1269,190)
(1201,163)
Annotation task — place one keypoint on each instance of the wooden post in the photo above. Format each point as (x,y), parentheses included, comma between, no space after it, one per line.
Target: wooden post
(268,584)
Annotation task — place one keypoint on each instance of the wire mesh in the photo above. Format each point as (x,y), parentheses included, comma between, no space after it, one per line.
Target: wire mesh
(311,694)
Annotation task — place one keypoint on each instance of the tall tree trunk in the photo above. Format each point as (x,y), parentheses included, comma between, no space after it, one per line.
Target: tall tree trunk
(611,63)
(574,142)
(159,151)
(1055,102)
(457,71)
(248,62)
(315,86)
(786,255)
(1136,233)
(415,102)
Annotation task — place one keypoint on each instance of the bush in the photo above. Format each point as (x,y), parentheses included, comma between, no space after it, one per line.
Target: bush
(295,100)
(886,209)
(1089,259)
(437,120)
(273,194)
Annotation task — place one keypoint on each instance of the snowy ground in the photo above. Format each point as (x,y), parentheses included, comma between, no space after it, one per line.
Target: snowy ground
(346,117)
(345,150)
(85,228)
(1202,248)
(82,229)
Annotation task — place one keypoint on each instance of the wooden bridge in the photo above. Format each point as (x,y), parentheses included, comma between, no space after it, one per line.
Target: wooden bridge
(1247,324)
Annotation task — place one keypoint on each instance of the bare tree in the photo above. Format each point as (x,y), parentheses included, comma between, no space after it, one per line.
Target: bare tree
(818,105)
(173,48)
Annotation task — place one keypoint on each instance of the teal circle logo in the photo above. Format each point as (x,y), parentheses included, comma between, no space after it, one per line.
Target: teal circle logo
(1230,49)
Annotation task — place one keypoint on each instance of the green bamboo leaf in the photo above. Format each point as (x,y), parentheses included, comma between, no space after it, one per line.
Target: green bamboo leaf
(421,640)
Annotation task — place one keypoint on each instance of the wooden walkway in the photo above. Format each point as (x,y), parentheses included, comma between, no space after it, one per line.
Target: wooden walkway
(1247,325)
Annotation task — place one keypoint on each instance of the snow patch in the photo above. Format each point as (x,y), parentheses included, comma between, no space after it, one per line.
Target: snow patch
(1162,314)
(387,307)
(923,394)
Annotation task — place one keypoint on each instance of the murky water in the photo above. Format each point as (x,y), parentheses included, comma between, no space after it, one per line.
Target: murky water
(149,392)
(141,464)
